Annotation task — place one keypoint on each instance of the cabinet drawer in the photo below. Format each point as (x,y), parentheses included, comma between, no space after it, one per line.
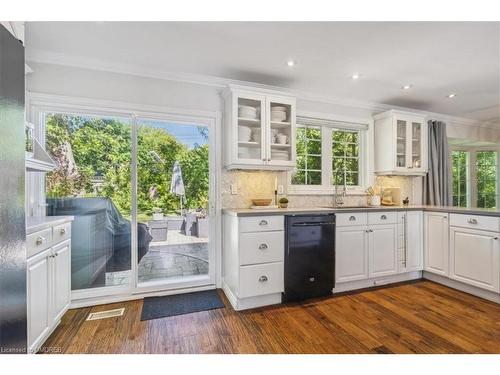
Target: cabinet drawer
(262,247)
(382,217)
(261,223)
(261,279)
(38,241)
(353,218)
(475,222)
(61,233)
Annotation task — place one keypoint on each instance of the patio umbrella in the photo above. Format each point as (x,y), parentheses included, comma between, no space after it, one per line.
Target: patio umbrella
(177,184)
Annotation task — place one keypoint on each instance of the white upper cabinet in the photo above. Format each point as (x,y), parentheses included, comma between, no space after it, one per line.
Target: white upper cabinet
(400,143)
(259,130)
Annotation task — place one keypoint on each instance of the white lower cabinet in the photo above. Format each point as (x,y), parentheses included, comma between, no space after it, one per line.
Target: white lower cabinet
(253,260)
(38,285)
(48,287)
(436,231)
(62,280)
(365,251)
(475,258)
(351,255)
(382,250)
(410,241)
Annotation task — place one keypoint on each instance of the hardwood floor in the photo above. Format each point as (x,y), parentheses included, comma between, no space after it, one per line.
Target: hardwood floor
(422,317)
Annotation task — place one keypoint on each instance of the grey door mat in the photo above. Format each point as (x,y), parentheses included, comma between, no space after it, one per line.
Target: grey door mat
(178,304)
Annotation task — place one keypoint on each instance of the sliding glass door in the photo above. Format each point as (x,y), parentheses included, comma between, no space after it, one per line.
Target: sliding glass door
(172,203)
(92,182)
(139,190)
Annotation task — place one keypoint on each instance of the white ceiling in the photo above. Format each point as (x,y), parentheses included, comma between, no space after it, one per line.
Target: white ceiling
(436,58)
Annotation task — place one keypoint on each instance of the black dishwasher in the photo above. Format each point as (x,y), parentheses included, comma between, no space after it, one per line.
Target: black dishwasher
(309,256)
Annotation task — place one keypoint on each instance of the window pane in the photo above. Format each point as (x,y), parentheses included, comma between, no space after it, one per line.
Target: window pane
(313,178)
(308,156)
(299,178)
(460,172)
(486,171)
(345,157)
(314,162)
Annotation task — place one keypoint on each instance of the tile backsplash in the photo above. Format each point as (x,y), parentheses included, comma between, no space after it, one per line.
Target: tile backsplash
(260,184)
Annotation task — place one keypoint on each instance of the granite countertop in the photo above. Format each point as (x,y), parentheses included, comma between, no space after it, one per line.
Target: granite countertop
(316,210)
(35,224)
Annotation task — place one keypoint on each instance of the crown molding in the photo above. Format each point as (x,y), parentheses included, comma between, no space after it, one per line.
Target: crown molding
(62,59)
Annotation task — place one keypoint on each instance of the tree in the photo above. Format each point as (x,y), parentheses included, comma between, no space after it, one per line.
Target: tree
(101,149)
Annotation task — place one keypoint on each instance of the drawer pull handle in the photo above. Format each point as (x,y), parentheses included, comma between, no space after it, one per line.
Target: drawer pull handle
(472,221)
(40,240)
(495,238)
(352,218)
(263,222)
(263,246)
(383,217)
(263,279)
(62,231)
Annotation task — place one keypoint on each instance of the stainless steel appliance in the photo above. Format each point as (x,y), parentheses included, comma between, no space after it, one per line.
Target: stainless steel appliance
(309,256)
(13,334)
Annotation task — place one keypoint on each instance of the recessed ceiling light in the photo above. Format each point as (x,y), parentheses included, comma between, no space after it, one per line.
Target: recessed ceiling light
(355,76)
(406,87)
(451,96)
(291,63)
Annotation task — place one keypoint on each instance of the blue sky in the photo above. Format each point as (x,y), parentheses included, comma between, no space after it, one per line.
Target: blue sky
(187,134)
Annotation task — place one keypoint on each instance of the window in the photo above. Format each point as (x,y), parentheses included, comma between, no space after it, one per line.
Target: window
(345,157)
(308,156)
(486,176)
(475,177)
(460,172)
(328,154)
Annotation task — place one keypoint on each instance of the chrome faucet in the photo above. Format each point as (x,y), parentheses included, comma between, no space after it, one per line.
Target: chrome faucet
(338,200)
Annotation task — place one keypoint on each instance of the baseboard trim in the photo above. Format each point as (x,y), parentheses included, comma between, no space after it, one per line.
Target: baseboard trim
(376,282)
(251,302)
(454,284)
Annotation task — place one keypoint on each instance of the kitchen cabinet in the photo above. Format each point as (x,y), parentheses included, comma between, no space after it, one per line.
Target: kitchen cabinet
(410,241)
(351,255)
(364,251)
(382,250)
(253,260)
(436,231)
(259,129)
(400,144)
(475,257)
(48,281)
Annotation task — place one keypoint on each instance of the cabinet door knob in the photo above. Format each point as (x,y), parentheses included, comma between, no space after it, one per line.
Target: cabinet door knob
(263,222)
(383,217)
(263,279)
(40,240)
(472,221)
(263,246)
(62,231)
(495,238)
(352,218)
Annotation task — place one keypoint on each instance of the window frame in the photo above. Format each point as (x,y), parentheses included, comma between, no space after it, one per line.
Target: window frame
(472,172)
(364,127)
(468,194)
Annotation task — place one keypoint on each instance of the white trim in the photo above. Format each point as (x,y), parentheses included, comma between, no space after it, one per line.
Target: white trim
(38,103)
(61,59)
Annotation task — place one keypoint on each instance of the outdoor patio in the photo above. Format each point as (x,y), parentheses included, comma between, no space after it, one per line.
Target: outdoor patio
(180,255)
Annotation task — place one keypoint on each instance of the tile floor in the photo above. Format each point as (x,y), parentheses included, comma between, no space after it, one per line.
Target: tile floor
(179,256)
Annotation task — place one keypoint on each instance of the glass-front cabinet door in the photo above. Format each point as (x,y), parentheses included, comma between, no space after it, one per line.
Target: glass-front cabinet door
(280,131)
(409,145)
(401,144)
(250,133)
(416,145)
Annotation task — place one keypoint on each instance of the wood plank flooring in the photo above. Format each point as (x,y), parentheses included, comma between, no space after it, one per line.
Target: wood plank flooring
(421,317)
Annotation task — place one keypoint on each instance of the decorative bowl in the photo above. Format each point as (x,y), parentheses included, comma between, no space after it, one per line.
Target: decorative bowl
(261,202)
